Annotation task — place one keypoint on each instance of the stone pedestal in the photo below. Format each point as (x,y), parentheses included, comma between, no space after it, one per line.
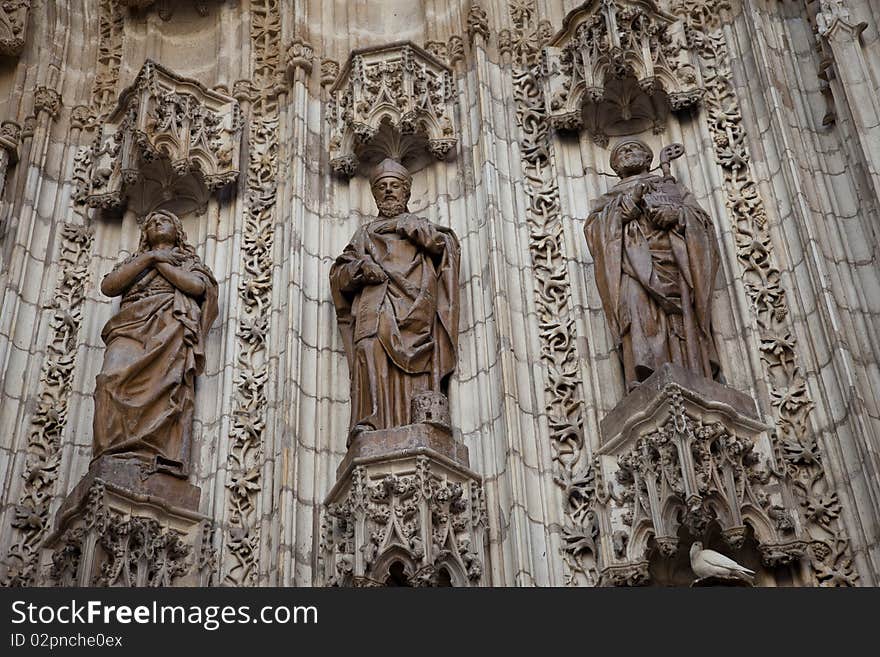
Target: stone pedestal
(127,525)
(679,454)
(406,510)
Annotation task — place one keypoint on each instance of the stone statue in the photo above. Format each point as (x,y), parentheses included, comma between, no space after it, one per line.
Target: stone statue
(155,348)
(655,255)
(395,288)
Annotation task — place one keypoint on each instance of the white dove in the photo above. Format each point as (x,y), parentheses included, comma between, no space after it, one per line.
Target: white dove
(709,563)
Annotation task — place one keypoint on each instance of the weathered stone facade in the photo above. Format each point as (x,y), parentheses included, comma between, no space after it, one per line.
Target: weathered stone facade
(256,121)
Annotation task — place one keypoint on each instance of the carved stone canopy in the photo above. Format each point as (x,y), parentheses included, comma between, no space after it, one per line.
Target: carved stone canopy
(618,67)
(168,137)
(399,90)
(13,26)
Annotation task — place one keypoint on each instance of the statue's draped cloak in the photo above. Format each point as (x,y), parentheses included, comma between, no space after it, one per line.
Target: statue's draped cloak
(144,395)
(655,285)
(399,335)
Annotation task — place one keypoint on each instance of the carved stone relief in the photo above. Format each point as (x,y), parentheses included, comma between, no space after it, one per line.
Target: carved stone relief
(299,55)
(13,26)
(111,26)
(477,25)
(618,67)
(47,100)
(400,86)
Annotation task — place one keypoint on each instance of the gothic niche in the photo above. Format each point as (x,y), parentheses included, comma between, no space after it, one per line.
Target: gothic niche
(391,101)
(618,67)
(168,143)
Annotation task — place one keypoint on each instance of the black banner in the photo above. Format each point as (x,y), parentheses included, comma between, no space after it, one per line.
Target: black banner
(222,621)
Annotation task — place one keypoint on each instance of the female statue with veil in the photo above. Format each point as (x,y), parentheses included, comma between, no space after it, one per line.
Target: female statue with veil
(144,395)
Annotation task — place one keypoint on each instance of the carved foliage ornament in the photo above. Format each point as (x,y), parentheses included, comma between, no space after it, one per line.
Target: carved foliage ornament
(245,460)
(47,100)
(625,60)
(563,396)
(13,25)
(111,28)
(399,84)
(31,516)
(799,450)
(165,116)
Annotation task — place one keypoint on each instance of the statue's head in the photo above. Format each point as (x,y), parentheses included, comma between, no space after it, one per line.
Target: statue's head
(630,157)
(162,229)
(391,185)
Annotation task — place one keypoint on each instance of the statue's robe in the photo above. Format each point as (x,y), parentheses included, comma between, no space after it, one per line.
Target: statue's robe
(145,393)
(400,335)
(655,284)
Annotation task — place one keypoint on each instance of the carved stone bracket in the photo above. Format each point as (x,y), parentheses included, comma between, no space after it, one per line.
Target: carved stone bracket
(405,511)
(165,130)
(401,87)
(617,67)
(113,533)
(682,452)
(13,26)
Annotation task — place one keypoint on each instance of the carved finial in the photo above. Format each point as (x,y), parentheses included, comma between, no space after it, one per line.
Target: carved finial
(299,55)
(47,100)
(455,49)
(329,71)
(477,25)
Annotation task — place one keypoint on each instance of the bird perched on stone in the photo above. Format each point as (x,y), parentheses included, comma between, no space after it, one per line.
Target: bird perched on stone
(709,563)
